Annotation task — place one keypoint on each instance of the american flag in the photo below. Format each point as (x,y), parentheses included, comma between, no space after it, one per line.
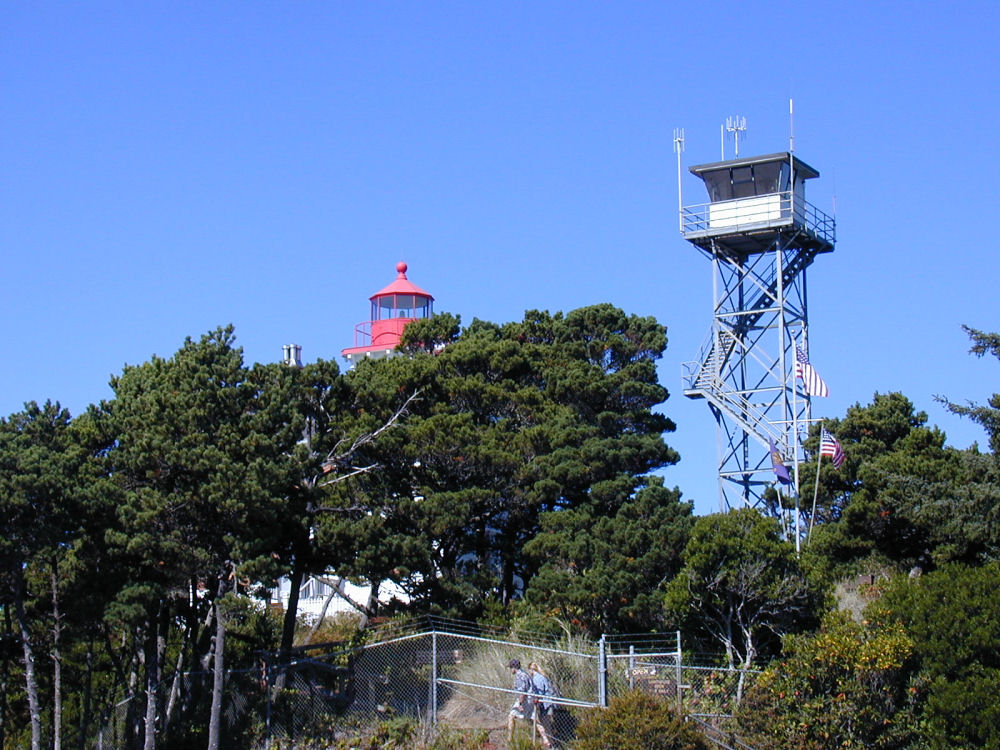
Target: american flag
(829,446)
(812,383)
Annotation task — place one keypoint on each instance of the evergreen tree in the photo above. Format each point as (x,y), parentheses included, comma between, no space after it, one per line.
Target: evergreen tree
(514,422)
(952,616)
(336,511)
(902,498)
(40,462)
(607,573)
(201,458)
(986,416)
(740,586)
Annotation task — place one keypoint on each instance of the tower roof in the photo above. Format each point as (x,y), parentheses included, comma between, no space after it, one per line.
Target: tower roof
(401,285)
(803,170)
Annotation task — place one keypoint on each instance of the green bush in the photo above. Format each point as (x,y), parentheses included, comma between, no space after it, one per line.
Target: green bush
(953,619)
(849,685)
(398,732)
(447,738)
(639,721)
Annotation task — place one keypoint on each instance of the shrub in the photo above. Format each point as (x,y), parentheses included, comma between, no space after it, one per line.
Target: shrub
(458,739)
(846,686)
(398,732)
(640,721)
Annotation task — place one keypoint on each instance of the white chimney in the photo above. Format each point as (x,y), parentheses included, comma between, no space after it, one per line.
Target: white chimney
(292,355)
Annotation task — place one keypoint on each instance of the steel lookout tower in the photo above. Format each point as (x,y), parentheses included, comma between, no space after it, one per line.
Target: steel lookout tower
(761,236)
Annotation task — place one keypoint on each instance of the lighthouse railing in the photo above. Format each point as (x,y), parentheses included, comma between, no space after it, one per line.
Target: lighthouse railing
(363,334)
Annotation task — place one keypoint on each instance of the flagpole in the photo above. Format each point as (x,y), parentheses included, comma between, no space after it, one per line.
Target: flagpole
(795,455)
(786,526)
(819,460)
(798,521)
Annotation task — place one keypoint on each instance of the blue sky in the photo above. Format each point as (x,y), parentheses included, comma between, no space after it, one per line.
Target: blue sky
(171,167)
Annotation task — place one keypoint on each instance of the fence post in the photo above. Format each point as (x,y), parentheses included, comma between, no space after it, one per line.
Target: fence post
(602,672)
(434,677)
(267,689)
(680,704)
(631,667)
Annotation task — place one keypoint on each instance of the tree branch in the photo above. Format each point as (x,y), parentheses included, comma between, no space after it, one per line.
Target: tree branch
(334,458)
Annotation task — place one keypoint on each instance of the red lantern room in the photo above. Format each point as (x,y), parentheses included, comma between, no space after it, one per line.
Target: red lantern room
(399,303)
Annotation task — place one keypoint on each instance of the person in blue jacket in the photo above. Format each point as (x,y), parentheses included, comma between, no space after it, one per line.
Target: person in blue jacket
(542,687)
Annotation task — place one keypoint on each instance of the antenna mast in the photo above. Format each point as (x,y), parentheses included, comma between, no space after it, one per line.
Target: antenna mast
(737,127)
(791,126)
(679,149)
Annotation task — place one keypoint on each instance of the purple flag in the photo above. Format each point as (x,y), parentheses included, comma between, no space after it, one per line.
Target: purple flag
(780,470)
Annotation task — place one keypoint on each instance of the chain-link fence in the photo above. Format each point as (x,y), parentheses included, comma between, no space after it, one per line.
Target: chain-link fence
(181,716)
(658,665)
(439,677)
(446,674)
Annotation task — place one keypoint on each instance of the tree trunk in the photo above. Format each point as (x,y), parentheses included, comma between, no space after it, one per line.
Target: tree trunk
(508,552)
(218,669)
(292,610)
(4,675)
(175,688)
(152,681)
(30,680)
(506,580)
(56,662)
(88,697)
(133,721)
(730,646)
(372,607)
(335,590)
(200,658)
(288,624)
(202,641)
(365,610)
(751,653)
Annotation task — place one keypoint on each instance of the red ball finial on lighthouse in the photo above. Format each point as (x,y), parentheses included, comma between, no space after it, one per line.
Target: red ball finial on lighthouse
(401,268)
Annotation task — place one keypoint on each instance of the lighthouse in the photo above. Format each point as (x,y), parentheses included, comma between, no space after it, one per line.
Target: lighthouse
(392,309)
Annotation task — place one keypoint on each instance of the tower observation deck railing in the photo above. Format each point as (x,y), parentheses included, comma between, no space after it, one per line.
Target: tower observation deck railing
(755,213)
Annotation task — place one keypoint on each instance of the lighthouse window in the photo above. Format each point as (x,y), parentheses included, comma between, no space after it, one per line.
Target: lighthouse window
(401,306)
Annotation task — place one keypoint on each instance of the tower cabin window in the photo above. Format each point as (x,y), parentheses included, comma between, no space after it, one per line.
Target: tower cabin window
(730,183)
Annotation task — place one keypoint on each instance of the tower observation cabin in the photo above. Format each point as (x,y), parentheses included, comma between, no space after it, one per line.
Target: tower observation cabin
(751,202)
(392,309)
(761,235)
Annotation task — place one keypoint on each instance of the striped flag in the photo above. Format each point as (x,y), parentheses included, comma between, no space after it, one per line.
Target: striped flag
(829,446)
(812,383)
